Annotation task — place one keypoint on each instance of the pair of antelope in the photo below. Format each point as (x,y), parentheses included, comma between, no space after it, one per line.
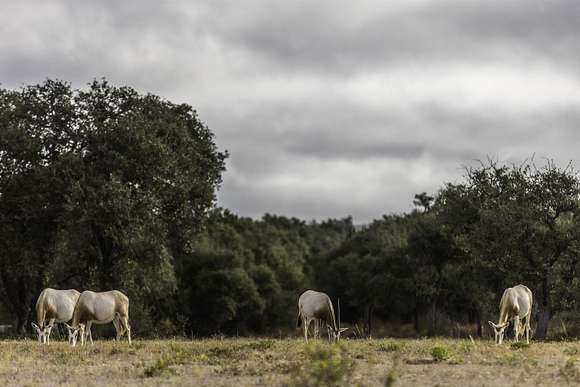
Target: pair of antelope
(516,304)
(84,309)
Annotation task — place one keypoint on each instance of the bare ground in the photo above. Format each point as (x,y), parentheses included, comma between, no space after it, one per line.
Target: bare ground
(266,362)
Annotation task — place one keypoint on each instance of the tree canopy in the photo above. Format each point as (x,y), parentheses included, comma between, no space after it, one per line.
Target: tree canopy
(104,188)
(99,188)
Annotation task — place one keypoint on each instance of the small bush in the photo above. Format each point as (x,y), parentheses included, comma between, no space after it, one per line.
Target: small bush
(325,365)
(519,345)
(440,353)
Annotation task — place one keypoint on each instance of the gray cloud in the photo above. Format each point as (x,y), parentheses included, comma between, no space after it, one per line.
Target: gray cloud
(330,108)
(366,35)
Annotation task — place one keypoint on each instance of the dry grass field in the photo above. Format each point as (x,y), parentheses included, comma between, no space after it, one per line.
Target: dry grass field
(259,361)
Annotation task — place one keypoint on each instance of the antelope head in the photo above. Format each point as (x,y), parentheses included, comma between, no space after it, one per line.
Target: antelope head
(43,333)
(499,331)
(73,333)
(335,332)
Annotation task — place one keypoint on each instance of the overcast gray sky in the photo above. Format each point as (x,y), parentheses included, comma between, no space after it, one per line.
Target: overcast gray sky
(328,108)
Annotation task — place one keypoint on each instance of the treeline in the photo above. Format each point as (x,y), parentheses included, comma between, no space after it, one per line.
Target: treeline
(244,276)
(107,188)
(438,270)
(447,263)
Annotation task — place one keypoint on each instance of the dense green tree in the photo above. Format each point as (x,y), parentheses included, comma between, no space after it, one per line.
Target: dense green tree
(371,273)
(517,224)
(245,275)
(98,189)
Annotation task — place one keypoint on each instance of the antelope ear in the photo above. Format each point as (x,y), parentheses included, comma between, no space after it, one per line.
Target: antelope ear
(343,329)
(68,327)
(35,326)
(492,324)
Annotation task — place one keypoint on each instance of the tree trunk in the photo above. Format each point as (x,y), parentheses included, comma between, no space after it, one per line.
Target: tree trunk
(479,325)
(369,321)
(433,328)
(16,298)
(21,324)
(23,320)
(543,320)
(545,311)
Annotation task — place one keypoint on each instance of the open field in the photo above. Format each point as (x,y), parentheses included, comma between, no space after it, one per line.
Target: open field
(245,362)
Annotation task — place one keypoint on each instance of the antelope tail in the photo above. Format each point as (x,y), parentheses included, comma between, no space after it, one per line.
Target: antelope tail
(298,320)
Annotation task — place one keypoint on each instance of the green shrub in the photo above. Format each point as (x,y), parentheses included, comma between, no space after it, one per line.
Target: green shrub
(440,353)
(325,365)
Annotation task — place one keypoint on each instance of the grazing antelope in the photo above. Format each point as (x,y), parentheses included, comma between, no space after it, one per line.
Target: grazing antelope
(516,305)
(53,306)
(99,308)
(317,307)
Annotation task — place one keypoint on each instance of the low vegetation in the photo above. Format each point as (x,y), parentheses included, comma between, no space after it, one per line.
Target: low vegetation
(324,365)
(440,353)
(288,362)
(519,345)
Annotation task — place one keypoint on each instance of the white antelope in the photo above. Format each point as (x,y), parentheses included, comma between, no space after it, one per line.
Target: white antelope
(516,305)
(317,307)
(99,308)
(53,306)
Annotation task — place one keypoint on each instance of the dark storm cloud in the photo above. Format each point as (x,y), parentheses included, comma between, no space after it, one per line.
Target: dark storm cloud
(328,108)
(332,38)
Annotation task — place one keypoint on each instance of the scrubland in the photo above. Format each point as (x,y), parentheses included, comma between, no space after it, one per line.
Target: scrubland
(290,362)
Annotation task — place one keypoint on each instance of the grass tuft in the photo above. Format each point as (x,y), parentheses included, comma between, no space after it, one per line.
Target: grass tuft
(569,371)
(325,365)
(393,373)
(262,345)
(389,347)
(439,353)
(519,345)
(158,368)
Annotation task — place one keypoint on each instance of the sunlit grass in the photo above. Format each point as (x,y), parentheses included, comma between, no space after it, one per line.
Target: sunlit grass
(264,361)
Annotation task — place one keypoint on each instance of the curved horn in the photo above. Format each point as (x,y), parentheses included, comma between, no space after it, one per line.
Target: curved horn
(339,313)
